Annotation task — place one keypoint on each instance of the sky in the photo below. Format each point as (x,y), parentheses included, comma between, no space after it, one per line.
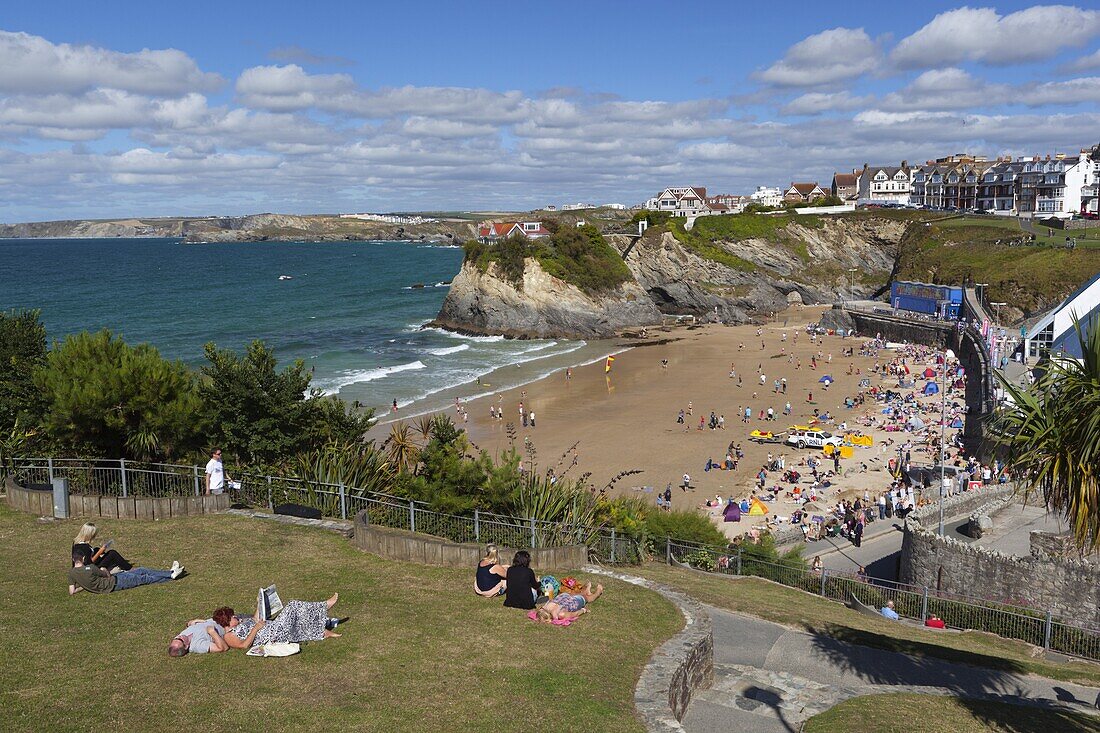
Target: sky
(199,108)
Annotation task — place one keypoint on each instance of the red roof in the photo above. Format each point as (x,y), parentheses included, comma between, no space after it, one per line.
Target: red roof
(804,188)
(845,179)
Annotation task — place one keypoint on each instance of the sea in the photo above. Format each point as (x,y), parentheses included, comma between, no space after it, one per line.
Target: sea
(354,312)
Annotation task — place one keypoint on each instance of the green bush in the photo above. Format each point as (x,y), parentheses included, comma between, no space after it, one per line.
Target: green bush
(577,255)
(681,524)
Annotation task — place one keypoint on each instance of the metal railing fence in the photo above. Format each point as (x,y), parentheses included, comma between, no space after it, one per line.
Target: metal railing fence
(130,478)
(914,602)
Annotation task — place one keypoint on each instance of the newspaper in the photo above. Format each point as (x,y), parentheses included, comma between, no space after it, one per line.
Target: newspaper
(268,603)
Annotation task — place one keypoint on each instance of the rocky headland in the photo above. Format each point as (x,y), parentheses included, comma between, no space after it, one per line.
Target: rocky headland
(710,273)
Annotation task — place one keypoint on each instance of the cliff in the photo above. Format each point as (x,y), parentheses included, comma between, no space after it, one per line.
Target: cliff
(542,306)
(251,228)
(708,272)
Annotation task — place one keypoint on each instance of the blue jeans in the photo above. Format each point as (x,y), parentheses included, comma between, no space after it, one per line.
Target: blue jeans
(140,576)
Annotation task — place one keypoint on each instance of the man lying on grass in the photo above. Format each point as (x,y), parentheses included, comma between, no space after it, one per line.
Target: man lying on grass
(86,576)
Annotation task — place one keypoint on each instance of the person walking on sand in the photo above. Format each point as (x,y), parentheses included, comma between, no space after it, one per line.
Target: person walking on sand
(531,416)
(783,384)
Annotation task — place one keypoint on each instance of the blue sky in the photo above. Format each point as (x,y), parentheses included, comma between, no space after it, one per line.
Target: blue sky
(195,108)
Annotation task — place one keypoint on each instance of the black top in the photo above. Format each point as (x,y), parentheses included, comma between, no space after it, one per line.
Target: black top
(522,588)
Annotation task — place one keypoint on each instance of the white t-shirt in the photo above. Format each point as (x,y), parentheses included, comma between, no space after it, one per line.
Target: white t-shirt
(217,476)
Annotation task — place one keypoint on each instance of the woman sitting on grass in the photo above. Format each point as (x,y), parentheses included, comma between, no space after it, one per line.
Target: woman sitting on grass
(490,579)
(568,606)
(101,557)
(298,621)
(523,586)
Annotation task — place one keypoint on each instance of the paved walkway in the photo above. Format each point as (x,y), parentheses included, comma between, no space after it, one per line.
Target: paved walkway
(769,678)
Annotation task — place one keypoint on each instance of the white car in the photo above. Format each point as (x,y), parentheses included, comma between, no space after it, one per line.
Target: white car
(813,439)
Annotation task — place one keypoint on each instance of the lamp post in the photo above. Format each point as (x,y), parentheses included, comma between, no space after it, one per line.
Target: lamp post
(852,279)
(998,342)
(981,293)
(943,434)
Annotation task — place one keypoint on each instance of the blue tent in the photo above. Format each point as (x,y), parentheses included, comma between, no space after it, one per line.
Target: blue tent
(957,422)
(931,388)
(826,378)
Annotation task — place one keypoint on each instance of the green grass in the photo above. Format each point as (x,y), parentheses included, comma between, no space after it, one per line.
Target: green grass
(915,713)
(698,242)
(816,615)
(1026,277)
(421,652)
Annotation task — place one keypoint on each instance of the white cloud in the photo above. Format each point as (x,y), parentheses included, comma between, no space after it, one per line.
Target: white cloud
(983,35)
(815,103)
(824,58)
(32,64)
(285,88)
(1085,63)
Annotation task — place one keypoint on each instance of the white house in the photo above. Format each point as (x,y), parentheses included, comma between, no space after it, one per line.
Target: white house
(684,201)
(886,184)
(494,231)
(767,196)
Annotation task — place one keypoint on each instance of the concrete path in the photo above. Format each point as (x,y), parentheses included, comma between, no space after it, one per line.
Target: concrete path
(769,678)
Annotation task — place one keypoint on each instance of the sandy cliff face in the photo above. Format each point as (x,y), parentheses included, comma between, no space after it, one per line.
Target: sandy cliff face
(806,265)
(543,307)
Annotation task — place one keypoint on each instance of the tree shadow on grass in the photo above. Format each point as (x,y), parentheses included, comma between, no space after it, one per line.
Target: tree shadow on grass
(975,679)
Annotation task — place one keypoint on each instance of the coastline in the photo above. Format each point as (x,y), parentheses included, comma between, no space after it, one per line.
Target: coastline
(603,424)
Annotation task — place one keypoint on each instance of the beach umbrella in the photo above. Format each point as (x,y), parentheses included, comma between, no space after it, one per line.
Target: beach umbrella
(826,378)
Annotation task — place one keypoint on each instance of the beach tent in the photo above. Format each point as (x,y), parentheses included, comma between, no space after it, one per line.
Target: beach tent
(957,422)
(826,378)
(758,508)
(931,388)
(929,373)
(732,513)
(744,506)
(915,424)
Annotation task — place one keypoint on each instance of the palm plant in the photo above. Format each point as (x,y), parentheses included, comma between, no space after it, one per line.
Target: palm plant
(423,427)
(402,449)
(360,467)
(12,444)
(1050,434)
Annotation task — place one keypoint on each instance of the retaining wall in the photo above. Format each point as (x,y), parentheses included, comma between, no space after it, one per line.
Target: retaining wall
(40,502)
(1068,589)
(406,546)
(679,667)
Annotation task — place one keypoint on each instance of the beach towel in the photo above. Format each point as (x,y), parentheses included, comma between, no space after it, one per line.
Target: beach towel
(274,649)
(533,615)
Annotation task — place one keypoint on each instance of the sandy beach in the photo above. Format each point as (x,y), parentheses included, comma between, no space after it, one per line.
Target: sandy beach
(627,419)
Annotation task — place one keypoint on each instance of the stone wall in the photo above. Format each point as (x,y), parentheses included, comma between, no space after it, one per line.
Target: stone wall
(679,667)
(406,546)
(40,502)
(1068,589)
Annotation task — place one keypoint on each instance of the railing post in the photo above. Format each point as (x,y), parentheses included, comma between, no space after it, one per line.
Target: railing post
(195,470)
(343,502)
(612,544)
(270,498)
(49,469)
(122,464)
(824,580)
(412,516)
(668,550)
(477,526)
(532,533)
(739,551)
(1046,632)
(924,605)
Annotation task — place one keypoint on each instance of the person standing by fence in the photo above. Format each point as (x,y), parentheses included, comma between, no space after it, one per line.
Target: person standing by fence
(215,473)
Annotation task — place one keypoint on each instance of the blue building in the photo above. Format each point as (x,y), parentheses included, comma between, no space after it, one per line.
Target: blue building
(940,301)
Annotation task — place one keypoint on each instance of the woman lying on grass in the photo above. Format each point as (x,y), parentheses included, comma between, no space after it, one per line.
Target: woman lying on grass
(298,621)
(568,606)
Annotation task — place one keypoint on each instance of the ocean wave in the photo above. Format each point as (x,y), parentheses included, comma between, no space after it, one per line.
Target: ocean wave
(448,350)
(333,385)
(454,335)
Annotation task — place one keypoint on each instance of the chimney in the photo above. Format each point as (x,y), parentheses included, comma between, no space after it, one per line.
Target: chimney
(905,164)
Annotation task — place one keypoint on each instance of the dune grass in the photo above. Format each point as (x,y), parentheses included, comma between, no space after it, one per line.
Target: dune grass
(914,713)
(808,612)
(420,653)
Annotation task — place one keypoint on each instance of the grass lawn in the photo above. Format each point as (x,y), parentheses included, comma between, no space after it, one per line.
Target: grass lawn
(420,653)
(801,610)
(913,713)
